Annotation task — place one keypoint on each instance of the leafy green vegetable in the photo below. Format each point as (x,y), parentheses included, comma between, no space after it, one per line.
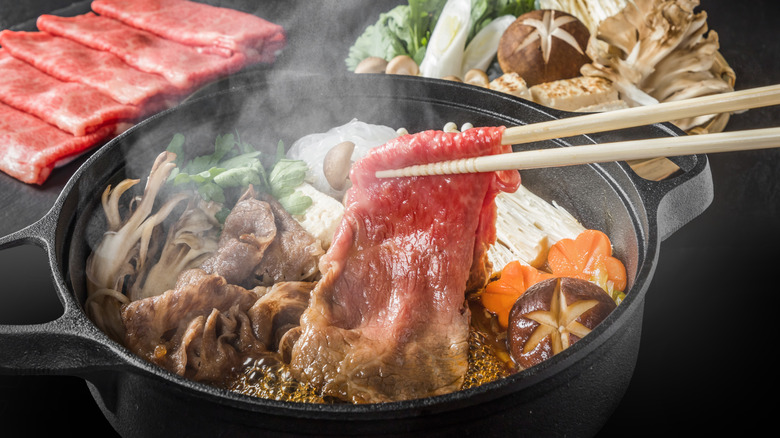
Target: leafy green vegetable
(406,29)
(235,165)
(484,11)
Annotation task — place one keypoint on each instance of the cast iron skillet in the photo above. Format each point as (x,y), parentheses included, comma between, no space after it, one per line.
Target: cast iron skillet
(571,394)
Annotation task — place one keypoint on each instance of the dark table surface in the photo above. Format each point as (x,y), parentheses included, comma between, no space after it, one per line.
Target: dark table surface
(703,365)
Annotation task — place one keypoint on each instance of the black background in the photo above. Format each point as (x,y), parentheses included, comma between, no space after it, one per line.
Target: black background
(704,365)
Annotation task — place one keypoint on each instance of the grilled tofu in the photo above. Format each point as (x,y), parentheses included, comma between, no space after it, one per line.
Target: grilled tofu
(575,93)
(511,83)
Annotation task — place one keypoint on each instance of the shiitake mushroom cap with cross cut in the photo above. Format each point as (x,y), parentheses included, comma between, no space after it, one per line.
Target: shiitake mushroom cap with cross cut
(552,315)
(544,46)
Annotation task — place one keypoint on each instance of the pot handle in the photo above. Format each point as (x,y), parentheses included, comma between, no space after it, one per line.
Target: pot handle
(68,345)
(679,199)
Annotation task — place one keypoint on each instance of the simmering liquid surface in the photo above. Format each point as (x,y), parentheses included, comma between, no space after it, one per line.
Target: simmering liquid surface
(271,379)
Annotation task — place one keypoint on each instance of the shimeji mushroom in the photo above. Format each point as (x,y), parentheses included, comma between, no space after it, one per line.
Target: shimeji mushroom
(337,164)
(372,64)
(659,51)
(402,65)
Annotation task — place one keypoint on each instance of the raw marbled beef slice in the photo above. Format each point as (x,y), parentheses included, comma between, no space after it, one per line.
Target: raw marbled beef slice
(73,107)
(30,148)
(216,29)
(182,65)
(68,60)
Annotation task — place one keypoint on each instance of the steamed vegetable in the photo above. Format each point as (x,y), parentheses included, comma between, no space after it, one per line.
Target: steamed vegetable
(662,51)
(189,241)
(588,257)
(404,30)
(590,12)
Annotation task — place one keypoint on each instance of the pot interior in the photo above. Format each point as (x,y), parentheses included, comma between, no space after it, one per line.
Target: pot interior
(266,110)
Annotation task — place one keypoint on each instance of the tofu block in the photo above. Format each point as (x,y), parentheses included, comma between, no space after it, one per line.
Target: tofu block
(511,83)
(575,93)
(601,107)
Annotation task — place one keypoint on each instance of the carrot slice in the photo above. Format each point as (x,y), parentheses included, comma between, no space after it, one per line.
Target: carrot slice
(588,257)
(616,272)
(499,296)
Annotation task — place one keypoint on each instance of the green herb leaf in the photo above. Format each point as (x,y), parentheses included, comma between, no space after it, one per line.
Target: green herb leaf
(176,145)
(238,177)
(296,203)
(286,176)
(211,192)
(236,165)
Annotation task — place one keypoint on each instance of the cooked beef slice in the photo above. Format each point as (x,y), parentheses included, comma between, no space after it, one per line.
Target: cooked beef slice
(205,328)
(162,328)
(248,232)
(279,310)
(294,253)
(388,320)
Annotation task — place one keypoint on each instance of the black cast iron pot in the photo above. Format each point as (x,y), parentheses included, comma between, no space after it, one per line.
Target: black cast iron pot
(571,394)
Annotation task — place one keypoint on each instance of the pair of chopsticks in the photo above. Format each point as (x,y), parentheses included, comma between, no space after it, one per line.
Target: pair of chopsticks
(622,150)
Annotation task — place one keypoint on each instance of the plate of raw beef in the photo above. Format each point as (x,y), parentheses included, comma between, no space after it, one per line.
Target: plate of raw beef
(75,78)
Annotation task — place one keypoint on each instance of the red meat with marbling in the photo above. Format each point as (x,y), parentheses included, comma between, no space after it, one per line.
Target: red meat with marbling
(70,61)
(388,321)
(211,29)
(31,148)
(182,65)
(73,107)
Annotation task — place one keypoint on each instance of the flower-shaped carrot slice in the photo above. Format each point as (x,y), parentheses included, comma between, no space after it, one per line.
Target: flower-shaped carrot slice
(500,295)
(588,257)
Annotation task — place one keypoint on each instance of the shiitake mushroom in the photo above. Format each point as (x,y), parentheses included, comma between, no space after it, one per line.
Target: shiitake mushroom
(552,315)
(544,46)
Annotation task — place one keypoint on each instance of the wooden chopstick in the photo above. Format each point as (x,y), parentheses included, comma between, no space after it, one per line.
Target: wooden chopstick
(643,115)
(618,151)
(599,153)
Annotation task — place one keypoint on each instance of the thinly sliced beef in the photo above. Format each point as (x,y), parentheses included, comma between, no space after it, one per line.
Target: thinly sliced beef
(214,29)
(73,107)
(205,328)
(262,244)
(388,321)
(68,60)
(182,65)
(248,231)
(294,253)
(30,148)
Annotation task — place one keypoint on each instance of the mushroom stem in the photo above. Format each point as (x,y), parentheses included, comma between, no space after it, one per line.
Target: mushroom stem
(337,164)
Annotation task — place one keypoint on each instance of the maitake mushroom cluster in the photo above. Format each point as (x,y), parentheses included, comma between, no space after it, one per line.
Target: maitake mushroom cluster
(660,51)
